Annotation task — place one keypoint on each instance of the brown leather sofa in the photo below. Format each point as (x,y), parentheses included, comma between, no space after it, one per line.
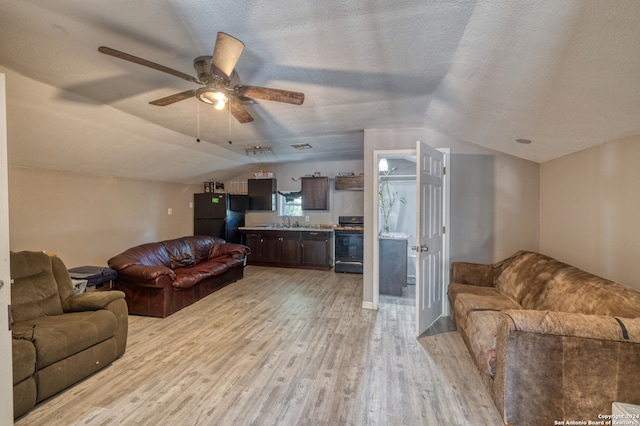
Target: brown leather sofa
(551,342)
(160,278)
(59,337)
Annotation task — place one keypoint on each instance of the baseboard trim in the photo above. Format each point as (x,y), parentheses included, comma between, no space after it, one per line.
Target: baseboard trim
(368,305)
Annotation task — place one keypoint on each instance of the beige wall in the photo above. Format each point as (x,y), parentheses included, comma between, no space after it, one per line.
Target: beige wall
(589,207)
(494,198)
(88,219)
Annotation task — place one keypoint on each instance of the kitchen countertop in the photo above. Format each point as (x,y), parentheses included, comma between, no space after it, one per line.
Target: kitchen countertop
(281,228)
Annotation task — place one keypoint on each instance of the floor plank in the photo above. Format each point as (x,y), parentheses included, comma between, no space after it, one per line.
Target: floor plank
(281,347)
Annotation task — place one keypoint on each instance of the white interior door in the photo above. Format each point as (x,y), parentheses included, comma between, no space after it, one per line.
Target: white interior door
(429,246)
(6,363)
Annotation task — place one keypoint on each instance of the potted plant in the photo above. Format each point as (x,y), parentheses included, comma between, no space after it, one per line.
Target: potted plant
(388,198)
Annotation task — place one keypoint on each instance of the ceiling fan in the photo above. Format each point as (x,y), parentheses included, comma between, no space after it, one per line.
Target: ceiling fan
(218,76)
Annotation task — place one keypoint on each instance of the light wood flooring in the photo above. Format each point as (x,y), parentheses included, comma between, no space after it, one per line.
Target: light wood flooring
(281,347)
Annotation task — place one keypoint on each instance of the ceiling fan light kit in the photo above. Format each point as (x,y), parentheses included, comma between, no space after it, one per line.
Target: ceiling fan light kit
(216,74)
(212,96)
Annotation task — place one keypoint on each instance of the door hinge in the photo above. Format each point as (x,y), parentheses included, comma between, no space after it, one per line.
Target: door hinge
(9,316)
(444,229)
(444,170)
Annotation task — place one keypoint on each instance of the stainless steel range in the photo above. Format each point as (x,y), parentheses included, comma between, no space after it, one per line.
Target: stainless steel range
(349,249)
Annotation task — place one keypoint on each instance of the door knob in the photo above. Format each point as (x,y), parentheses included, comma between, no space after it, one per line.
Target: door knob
(422,247)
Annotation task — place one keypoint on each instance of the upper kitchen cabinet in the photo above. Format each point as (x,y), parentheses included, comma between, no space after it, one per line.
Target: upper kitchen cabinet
(262,194)
(350,183)
(315,193)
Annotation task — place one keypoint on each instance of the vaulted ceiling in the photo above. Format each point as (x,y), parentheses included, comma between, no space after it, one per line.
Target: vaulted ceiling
(564,74)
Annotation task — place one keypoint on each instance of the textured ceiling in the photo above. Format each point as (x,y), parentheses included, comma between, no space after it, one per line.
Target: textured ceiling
(565,74)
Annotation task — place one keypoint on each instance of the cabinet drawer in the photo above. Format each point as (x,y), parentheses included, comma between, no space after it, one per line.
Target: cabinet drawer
(316,235)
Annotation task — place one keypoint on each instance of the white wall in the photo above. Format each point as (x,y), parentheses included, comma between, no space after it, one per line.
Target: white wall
(494,198)
(589,205)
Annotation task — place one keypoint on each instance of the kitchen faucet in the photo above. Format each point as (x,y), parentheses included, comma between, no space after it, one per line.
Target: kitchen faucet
(288,218)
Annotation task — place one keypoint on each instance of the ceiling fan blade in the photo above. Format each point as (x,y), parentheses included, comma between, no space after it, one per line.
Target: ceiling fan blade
(296,98)
(174,98)
(239,111)
(226,53)
(144,62)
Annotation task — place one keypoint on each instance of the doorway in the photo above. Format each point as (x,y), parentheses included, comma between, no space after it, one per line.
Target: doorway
(397,225)
(401,168)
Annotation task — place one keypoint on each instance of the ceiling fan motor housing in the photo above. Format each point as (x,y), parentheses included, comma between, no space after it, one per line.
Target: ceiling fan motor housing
(202,65)
(209,73)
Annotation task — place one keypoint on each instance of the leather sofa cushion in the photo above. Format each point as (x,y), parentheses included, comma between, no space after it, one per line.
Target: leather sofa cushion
(468,298)
(24,359)
(188,277)
(60,336)
(203,246)
(149,254)
(576,291)
(34,292)
(231,260)
(524,277)
(179,252)
(477,311)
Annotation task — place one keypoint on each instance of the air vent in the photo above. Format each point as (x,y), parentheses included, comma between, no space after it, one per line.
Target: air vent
(301,146)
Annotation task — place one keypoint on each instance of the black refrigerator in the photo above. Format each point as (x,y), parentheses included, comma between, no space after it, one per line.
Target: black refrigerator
(219,215)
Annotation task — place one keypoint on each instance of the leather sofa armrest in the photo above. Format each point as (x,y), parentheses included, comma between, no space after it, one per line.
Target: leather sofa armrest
(237,251)
(147,272)
(91,301)
(547,363)
(567,324)
(472,273)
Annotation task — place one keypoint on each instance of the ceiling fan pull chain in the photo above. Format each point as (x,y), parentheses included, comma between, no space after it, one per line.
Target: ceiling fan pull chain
(198,120)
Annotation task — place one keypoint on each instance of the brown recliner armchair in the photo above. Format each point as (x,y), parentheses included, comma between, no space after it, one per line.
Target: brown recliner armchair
(59,337)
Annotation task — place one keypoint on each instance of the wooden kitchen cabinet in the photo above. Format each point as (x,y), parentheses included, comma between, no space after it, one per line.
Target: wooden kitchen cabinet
(262,194)
(293,249)
(254,242)
(269,248)
(273,247)
(315,193)
(289,249)
(349,183)
(316,249)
